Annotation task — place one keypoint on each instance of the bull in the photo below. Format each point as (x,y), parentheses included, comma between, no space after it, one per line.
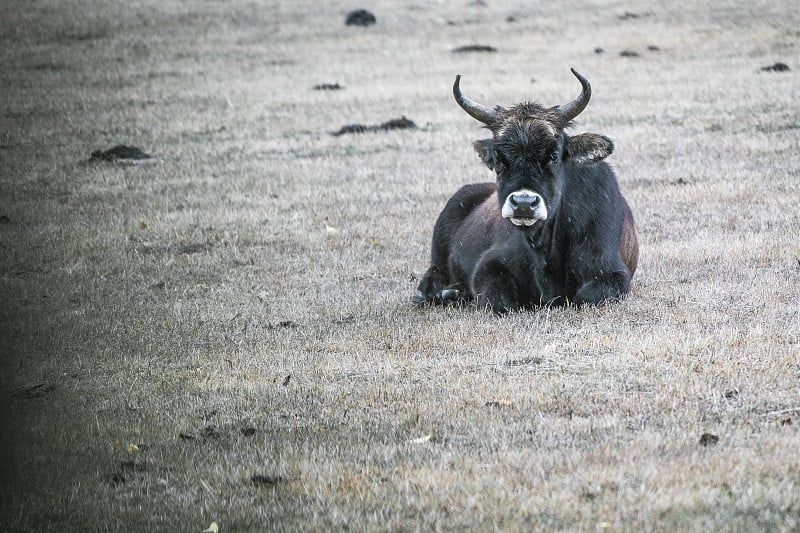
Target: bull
(554,228)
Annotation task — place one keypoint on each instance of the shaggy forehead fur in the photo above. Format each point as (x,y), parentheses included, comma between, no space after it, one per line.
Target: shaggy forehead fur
(527,125)
(527,111)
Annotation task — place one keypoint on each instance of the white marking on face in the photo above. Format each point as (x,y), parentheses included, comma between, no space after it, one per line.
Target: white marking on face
(539,212)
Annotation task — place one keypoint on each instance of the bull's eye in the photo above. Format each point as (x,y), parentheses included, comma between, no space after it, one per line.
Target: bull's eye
(554,157)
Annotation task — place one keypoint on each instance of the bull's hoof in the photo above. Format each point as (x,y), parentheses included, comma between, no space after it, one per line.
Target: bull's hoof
(420,298)
(430,287)
(446,296)
(442,297)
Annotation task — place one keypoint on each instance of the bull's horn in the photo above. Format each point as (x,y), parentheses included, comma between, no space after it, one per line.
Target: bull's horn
(474,109)
(574,108)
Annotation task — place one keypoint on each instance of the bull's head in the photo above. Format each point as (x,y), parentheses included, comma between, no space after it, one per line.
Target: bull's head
(529,151)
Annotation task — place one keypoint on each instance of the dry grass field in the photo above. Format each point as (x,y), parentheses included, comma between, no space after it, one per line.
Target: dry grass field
(226,335)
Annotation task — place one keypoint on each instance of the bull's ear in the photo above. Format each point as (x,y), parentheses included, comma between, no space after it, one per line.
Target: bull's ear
(485,149)
(588,148)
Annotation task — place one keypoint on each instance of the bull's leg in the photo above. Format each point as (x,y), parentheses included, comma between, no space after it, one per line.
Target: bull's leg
(431,284)
(494,287)
(598,290)
(455,293)
(435,287)
(445,282)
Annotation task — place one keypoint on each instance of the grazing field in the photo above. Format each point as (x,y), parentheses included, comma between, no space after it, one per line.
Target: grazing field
(224,333)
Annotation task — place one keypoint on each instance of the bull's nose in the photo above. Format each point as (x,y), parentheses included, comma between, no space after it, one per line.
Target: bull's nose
(524,203)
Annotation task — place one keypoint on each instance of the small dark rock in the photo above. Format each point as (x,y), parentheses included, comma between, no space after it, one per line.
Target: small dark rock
(523,361)
(474,48)
(132,466)
(192,248)
(394,124)
(286,380)
(731,394)
(401,123)
(210,432)
(127,471)
(348,319)
(707,439)
(4,219)
(30,392)
(261,480)
(777,67)
(248,431)
(351,128)
(653,48)
(599,51)
(629,53)
(360,17)
(327,87)
(511,18)
(118,152)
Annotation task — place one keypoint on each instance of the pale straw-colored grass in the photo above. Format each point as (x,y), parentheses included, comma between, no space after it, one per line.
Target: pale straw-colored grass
(243,307)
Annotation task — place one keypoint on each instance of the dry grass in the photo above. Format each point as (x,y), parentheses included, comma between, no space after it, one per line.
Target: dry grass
(242,308)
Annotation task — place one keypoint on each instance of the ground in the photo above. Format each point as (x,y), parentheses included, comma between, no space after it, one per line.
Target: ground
(225,333)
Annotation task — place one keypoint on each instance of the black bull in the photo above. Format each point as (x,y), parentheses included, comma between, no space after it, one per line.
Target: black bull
(553,229)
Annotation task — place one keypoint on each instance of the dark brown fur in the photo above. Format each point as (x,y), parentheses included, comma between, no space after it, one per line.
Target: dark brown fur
(583,251)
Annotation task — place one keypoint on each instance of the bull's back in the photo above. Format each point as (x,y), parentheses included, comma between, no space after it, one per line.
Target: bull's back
(629,242)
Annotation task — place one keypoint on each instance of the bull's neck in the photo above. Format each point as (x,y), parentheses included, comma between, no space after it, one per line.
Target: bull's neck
(540,236)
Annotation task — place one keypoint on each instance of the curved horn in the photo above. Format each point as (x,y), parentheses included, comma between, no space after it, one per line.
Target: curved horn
(573,109)
(477,111)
